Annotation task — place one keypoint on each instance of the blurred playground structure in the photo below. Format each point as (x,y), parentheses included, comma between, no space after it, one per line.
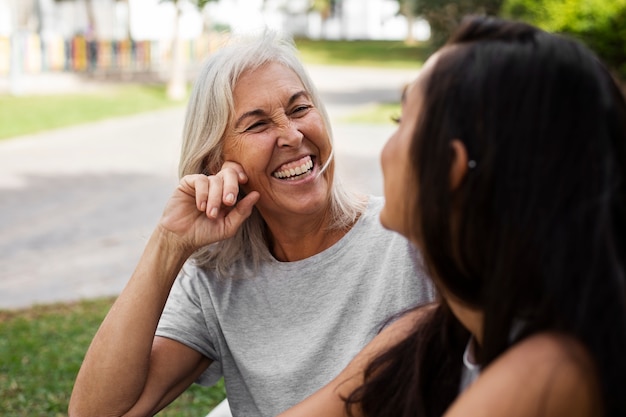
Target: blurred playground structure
(98,57)
(113,37)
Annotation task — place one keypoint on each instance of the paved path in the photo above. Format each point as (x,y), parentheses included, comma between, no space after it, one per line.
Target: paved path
(77,204)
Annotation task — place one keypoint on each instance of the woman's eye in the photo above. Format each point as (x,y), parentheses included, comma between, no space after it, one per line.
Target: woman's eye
(300,109)
(255,126)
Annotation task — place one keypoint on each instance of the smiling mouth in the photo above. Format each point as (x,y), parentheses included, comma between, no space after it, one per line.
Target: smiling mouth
(295,170)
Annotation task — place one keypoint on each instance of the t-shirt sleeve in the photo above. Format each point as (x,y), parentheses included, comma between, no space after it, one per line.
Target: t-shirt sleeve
(187,317)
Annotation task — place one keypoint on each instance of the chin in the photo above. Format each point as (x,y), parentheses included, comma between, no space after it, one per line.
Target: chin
(393,222)
(384,220)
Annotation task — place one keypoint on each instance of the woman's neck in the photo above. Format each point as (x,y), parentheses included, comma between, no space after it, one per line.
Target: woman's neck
(471,318)
(297,246)
(297,237)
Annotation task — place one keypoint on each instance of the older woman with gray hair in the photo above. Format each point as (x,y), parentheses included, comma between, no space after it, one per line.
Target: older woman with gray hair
(263,268)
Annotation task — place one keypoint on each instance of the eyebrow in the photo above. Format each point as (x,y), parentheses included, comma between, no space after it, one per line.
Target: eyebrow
(259,112)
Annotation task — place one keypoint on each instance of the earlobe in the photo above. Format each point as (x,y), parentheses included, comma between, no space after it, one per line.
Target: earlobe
(459,165)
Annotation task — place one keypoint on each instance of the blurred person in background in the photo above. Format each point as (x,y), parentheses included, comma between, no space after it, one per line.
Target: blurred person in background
(263,268)
(508,172)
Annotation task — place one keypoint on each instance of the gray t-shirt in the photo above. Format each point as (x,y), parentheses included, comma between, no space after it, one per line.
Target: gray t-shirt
(280,334)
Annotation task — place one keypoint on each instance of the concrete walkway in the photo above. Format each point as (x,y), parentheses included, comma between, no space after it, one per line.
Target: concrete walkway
(78,204)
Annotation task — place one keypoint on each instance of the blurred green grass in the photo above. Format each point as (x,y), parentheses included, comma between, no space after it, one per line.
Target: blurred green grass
(41,350)
(382,54)
(20,115)
(379,113)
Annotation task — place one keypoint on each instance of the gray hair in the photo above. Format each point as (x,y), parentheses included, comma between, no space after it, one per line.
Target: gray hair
(208,113)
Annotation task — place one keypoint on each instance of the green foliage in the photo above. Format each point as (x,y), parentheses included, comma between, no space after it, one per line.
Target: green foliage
(202,3)
(601,24)
(326,8)
(199,3)
(408,7)
(323,7)
(41,350)
(444,16)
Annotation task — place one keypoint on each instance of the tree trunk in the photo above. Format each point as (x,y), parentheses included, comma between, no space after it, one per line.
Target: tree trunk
(176,86)
(410,19)
(91,20)
(410,36)
(128,18)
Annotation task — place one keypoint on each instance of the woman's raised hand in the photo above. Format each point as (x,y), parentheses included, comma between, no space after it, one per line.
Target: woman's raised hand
(204,209)
(130,378)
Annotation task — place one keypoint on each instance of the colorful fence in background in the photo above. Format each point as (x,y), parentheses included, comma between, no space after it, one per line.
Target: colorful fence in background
(35,55)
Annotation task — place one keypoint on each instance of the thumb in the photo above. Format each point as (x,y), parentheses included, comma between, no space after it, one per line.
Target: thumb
(241,212)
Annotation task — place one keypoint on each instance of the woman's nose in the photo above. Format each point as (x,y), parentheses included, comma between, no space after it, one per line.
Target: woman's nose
(289,134)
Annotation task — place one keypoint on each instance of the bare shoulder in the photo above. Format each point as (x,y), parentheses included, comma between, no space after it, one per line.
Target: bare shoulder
(547,374)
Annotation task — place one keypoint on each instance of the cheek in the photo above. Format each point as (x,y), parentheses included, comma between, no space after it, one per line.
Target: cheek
(391,215)
(231,149)
(252,153)
(399,213)
(313,128)
(392,160)
(385,154)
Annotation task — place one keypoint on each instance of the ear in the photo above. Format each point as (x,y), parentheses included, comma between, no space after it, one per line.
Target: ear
(458,168)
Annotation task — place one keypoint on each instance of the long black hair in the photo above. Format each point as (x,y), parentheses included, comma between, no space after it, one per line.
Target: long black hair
(539,240)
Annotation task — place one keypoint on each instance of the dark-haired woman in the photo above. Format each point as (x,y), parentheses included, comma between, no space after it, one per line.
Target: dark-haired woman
(508,171)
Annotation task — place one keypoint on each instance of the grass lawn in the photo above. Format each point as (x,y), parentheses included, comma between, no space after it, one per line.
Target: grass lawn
(381,113)
(385,54)
(30,114)
(41,350)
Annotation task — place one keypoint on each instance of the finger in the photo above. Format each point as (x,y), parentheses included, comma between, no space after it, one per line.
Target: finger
(241,212)
(198,184)
(230,185)
(238,169)
(232,174)
(214,199)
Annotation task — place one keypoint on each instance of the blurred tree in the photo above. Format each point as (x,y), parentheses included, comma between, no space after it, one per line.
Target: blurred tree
(443,16)
(89,12)
(177,83)
(129,32)
(323,7)
(326,10)
(39,8)
(407,9)
(91,20)
(601,24)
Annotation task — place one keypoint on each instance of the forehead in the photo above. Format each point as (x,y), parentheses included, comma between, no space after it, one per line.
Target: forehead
(416,89)
(268,76)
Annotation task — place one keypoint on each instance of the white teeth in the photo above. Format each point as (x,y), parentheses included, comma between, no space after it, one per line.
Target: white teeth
(293,172)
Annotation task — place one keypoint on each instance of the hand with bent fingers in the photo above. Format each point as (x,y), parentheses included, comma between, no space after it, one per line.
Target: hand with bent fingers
(204,209)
